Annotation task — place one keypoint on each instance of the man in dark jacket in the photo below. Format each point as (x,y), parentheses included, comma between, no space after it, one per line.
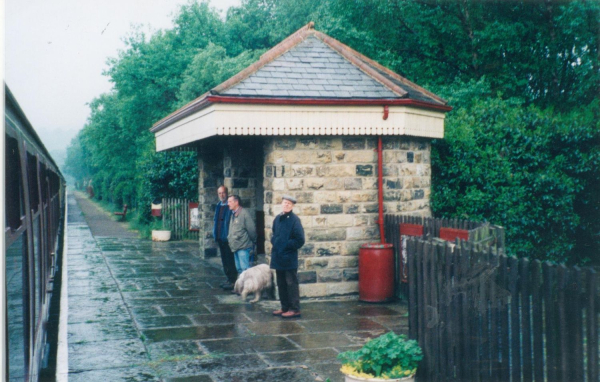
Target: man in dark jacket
(287,239)
(220,231)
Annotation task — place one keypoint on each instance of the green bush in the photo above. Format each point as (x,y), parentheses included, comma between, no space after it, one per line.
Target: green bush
(167,175)
(535,172)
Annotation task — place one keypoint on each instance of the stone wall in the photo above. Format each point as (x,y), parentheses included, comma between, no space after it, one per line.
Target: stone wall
(242,170)
(334,180)
(210,171)
(235,162)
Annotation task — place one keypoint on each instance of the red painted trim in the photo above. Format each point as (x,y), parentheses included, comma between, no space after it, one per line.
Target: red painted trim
(380,188)
(411,229)
(386,112)
(327,102)
(451,234)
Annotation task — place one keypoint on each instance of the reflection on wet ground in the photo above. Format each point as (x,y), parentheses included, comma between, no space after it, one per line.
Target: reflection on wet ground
(144,311)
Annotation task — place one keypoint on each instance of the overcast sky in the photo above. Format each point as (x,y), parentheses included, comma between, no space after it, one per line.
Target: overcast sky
(56,50)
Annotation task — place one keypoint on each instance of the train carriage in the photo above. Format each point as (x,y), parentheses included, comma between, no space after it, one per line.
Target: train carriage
(34,227)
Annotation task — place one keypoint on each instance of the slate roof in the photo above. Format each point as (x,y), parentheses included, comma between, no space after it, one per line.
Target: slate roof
(310,66)
(310,69)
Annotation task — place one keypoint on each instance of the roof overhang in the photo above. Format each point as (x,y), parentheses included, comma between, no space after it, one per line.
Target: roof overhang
(403,109)
(208,99)
(217,115)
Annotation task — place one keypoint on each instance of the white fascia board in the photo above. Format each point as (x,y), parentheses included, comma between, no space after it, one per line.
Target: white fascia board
(192,128)
(249,119)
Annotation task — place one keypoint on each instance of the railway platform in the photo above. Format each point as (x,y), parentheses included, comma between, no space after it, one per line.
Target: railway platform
(146,311)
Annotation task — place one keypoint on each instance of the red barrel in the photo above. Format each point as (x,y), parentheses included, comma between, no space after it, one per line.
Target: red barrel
(376,272)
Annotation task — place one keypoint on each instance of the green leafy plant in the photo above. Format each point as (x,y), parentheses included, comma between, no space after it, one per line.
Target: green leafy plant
(162,223)
(387,356)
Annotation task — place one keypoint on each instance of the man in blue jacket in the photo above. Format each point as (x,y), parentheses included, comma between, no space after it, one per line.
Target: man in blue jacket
(287,239)
(220,231)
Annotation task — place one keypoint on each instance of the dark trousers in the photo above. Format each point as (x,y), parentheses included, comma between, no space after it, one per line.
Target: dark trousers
(228,261)
(289,290)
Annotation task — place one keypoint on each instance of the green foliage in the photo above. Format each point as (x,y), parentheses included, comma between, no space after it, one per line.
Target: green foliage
(167,175)
(543,52)
(532,171)
(210,67)
(389,354)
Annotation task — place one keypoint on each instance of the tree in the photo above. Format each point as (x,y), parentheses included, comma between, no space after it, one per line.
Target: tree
(535,172)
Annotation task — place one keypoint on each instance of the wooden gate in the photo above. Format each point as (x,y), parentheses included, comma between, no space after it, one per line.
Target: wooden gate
(176,214)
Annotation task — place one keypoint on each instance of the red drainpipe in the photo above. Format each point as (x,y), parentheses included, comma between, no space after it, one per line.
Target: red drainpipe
(380,188)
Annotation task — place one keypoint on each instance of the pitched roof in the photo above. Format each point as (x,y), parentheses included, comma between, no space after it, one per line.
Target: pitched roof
(312,67)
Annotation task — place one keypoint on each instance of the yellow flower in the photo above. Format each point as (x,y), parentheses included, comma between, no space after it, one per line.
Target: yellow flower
(351,370)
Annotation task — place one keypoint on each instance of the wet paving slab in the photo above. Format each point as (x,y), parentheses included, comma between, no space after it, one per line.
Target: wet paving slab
(196,332)
(117,353)
(250,345)
(144,311)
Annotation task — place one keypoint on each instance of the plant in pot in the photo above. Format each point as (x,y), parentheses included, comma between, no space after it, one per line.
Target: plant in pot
(161,229)
(388,357)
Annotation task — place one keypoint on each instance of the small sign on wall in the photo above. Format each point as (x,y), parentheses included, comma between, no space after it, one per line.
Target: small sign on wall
(194,217)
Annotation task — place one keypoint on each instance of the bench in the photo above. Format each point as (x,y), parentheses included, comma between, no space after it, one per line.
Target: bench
(122,214)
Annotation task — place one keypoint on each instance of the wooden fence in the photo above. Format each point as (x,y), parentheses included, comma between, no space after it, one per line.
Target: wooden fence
(399,227)
(176,215)
(480,316)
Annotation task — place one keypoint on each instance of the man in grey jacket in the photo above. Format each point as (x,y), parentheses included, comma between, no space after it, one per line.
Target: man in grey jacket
(242,233)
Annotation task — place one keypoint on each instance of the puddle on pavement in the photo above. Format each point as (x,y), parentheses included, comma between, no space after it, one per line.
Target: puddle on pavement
(162,322)
(249,345)
(173,349)
(210,365)
(195,333)
(301,356)
(321,340)
(350,324)
(275,328)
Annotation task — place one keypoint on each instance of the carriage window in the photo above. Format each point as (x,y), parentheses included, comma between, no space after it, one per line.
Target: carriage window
(34,199)
(53,178)
(13,201)
(44,183)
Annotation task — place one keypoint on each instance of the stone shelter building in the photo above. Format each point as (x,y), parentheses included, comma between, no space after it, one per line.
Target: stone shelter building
(305,120)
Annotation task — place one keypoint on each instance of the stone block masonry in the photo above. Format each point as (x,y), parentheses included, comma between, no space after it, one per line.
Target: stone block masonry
(235,163)
(335,182)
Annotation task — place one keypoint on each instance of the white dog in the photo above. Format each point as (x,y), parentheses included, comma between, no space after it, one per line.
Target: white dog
(253,280)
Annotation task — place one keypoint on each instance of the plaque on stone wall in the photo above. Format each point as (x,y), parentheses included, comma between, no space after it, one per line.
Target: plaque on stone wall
(194,217)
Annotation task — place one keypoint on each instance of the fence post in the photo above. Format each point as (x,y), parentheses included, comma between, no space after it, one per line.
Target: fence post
(552,362)
(562,277)
(592,325)
(412,289)
(515,342)
(576,325)
(448,335)
(538,329)
(525,320)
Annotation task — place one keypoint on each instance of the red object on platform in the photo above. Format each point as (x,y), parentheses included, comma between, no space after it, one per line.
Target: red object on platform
(156,209)
(450,234)
(376,272)
(411,229)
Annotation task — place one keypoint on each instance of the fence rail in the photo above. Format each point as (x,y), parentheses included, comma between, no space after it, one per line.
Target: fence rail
(176,215)
(482,316)
(399,227)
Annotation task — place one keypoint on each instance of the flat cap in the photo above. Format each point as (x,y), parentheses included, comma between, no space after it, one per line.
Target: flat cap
(290,198)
